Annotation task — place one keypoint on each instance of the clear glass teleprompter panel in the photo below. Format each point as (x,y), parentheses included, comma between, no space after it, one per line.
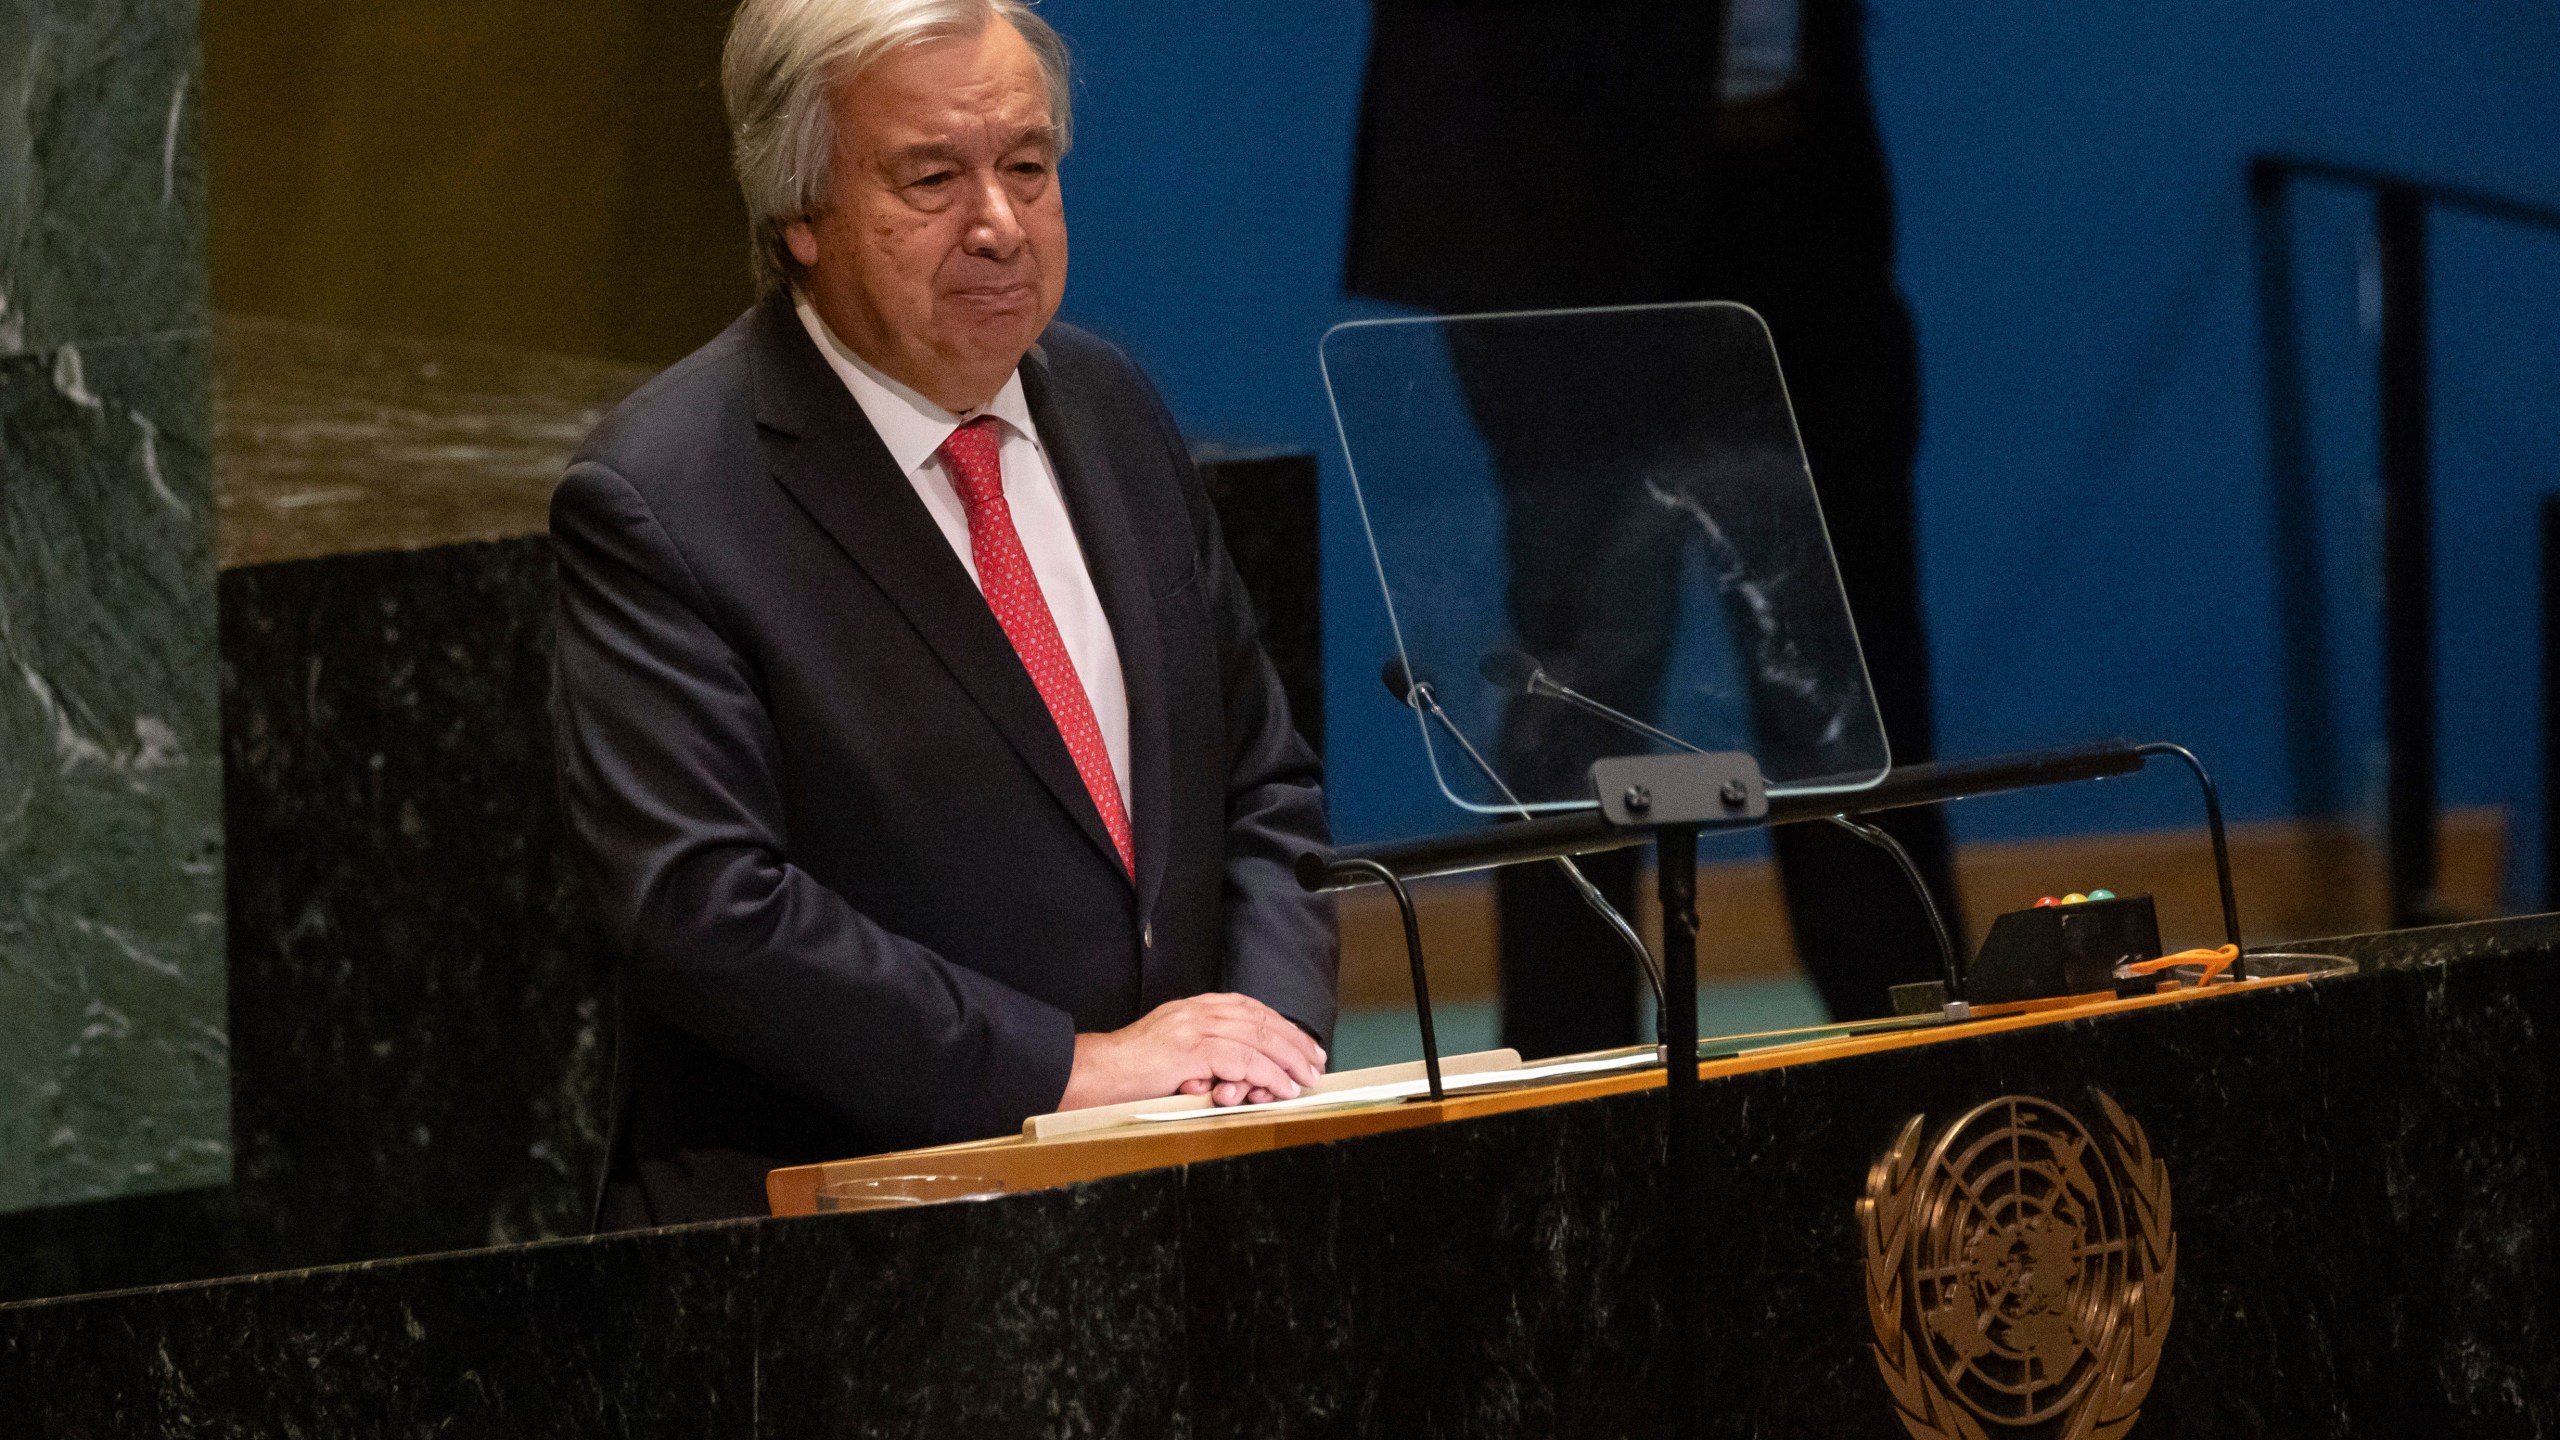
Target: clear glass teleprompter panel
(1615,501)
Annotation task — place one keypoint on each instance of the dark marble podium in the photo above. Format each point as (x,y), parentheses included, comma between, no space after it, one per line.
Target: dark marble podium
(2365,1223)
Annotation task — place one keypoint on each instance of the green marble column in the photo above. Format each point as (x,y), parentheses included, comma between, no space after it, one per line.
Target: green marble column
(114,1072)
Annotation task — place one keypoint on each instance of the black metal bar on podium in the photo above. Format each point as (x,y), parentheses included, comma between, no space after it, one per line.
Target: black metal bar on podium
(1581,832)
(2221,852)
(1666,798)
(2408,558)
(1413,957)
(1675,867)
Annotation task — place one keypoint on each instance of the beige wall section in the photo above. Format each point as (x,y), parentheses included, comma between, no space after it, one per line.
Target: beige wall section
(530,173)
(2294,880)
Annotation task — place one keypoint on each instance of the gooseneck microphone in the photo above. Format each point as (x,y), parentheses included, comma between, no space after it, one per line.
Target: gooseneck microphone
(1416,693)
(1520,673)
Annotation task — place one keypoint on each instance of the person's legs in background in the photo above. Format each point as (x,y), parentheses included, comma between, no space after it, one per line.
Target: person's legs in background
(1853,375)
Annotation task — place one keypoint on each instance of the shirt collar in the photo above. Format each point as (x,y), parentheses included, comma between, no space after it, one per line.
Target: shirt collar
(911,426)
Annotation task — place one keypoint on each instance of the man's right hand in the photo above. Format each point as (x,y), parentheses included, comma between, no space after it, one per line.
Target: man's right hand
(1230,1047)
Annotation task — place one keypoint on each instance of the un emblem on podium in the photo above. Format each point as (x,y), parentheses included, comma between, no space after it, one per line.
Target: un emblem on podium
(2018,1272)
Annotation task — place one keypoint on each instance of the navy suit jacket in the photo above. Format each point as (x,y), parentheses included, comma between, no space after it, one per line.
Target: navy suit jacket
(861,896)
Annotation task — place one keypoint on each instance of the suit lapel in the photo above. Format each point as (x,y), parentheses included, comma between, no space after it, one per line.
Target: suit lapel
(1098,505)
(823,451)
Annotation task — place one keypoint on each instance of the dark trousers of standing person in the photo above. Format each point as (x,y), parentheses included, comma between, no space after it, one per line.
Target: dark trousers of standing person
(1852,373)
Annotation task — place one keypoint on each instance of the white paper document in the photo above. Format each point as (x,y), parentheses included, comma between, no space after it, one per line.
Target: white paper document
(1407,1089)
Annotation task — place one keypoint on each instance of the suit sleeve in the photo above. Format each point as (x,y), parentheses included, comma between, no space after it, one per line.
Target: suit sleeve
(670,774)
(1282,945)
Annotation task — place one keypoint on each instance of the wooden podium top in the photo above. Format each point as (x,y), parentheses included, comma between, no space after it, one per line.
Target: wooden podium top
(1022,1162)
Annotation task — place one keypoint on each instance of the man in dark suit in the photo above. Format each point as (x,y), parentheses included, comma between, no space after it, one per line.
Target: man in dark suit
(1530,156)
(913,729)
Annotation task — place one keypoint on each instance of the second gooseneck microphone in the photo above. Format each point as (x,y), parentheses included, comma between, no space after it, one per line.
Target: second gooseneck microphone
(1519,672)
(1416,693)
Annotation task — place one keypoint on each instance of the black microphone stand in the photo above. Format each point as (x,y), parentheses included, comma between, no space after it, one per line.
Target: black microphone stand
(1668,799)
(1675,862)
(1413,957)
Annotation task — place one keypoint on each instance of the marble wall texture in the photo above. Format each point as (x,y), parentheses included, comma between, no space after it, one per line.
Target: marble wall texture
(113,1046)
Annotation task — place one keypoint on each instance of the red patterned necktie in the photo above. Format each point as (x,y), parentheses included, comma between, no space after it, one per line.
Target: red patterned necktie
(1013,592)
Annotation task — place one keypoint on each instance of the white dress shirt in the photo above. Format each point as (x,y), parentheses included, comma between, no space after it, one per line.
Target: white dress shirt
(913,428)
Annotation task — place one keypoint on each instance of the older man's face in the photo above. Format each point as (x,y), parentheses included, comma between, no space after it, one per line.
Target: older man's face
(943,252)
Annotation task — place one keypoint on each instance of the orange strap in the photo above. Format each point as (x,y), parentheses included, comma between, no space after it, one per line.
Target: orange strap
(2214,961)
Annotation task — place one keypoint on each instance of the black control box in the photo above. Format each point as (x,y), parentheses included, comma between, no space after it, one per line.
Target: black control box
(2071,948)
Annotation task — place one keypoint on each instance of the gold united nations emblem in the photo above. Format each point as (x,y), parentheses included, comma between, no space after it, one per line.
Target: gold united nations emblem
(2019,1272)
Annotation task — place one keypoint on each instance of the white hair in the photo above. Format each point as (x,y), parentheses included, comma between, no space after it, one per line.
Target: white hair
(783,60)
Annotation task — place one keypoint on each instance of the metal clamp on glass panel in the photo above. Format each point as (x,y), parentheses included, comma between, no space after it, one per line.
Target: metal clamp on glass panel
(1699,789)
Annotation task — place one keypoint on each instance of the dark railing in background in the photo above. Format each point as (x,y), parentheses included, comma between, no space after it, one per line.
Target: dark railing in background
(2400,209)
